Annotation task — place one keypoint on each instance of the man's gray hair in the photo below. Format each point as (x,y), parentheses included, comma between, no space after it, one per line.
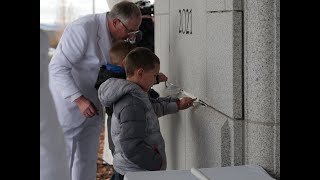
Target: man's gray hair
(125,11)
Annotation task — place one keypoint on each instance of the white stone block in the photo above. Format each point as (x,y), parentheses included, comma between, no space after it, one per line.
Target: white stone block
(173,131)
(234,4)
(224,62)
(161,7)
(215,5)
(223,5)
(211,139)
(187,45)
(162,42)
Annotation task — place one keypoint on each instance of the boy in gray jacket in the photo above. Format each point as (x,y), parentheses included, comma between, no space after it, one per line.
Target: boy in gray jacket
(135,130)
(115,69)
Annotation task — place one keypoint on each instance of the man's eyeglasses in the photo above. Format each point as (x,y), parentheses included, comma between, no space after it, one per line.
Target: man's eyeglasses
(132,35)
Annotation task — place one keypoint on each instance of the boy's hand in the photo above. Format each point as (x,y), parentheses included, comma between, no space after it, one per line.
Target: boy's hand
(185,103)
(162,77)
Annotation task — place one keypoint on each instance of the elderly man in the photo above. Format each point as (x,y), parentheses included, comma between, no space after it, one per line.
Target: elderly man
(73,70)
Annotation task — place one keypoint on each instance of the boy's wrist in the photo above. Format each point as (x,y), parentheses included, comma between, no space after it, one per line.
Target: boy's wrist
(178,104)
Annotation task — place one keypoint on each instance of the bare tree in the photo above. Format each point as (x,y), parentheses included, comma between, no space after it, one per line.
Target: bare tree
(65,14)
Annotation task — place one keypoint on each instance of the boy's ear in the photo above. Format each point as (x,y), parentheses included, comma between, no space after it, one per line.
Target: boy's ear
(123,62)
(139,72)
(114,22)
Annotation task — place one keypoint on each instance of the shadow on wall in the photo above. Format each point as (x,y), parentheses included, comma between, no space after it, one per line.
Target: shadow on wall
(174,133)
(225,145)
(203,142)
(203,137)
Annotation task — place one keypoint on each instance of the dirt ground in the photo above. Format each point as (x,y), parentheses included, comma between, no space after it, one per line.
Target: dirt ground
(104,171)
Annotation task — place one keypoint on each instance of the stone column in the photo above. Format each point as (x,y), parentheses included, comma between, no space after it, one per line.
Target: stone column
(262,84)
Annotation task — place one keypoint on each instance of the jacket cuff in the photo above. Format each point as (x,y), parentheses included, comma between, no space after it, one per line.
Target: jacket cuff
(172,107)
(75,96)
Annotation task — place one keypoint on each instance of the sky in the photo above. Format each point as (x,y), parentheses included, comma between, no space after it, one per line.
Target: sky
(49,10)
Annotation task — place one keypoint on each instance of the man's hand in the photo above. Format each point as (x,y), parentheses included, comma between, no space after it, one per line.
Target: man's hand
(86,107)
(185,103)
(162,77)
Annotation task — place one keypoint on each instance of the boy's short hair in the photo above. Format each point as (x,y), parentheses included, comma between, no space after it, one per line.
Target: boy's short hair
(140,57)
(119,50)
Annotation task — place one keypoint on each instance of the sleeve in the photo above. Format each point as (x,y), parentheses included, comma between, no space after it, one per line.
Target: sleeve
(133,125)
(102,76)
(72,46)
(164,105)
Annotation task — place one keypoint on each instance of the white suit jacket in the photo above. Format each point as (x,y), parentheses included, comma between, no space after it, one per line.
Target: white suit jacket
(83,48)
(53,159)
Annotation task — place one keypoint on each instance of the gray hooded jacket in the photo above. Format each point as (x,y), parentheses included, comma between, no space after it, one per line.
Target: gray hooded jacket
(135,130)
